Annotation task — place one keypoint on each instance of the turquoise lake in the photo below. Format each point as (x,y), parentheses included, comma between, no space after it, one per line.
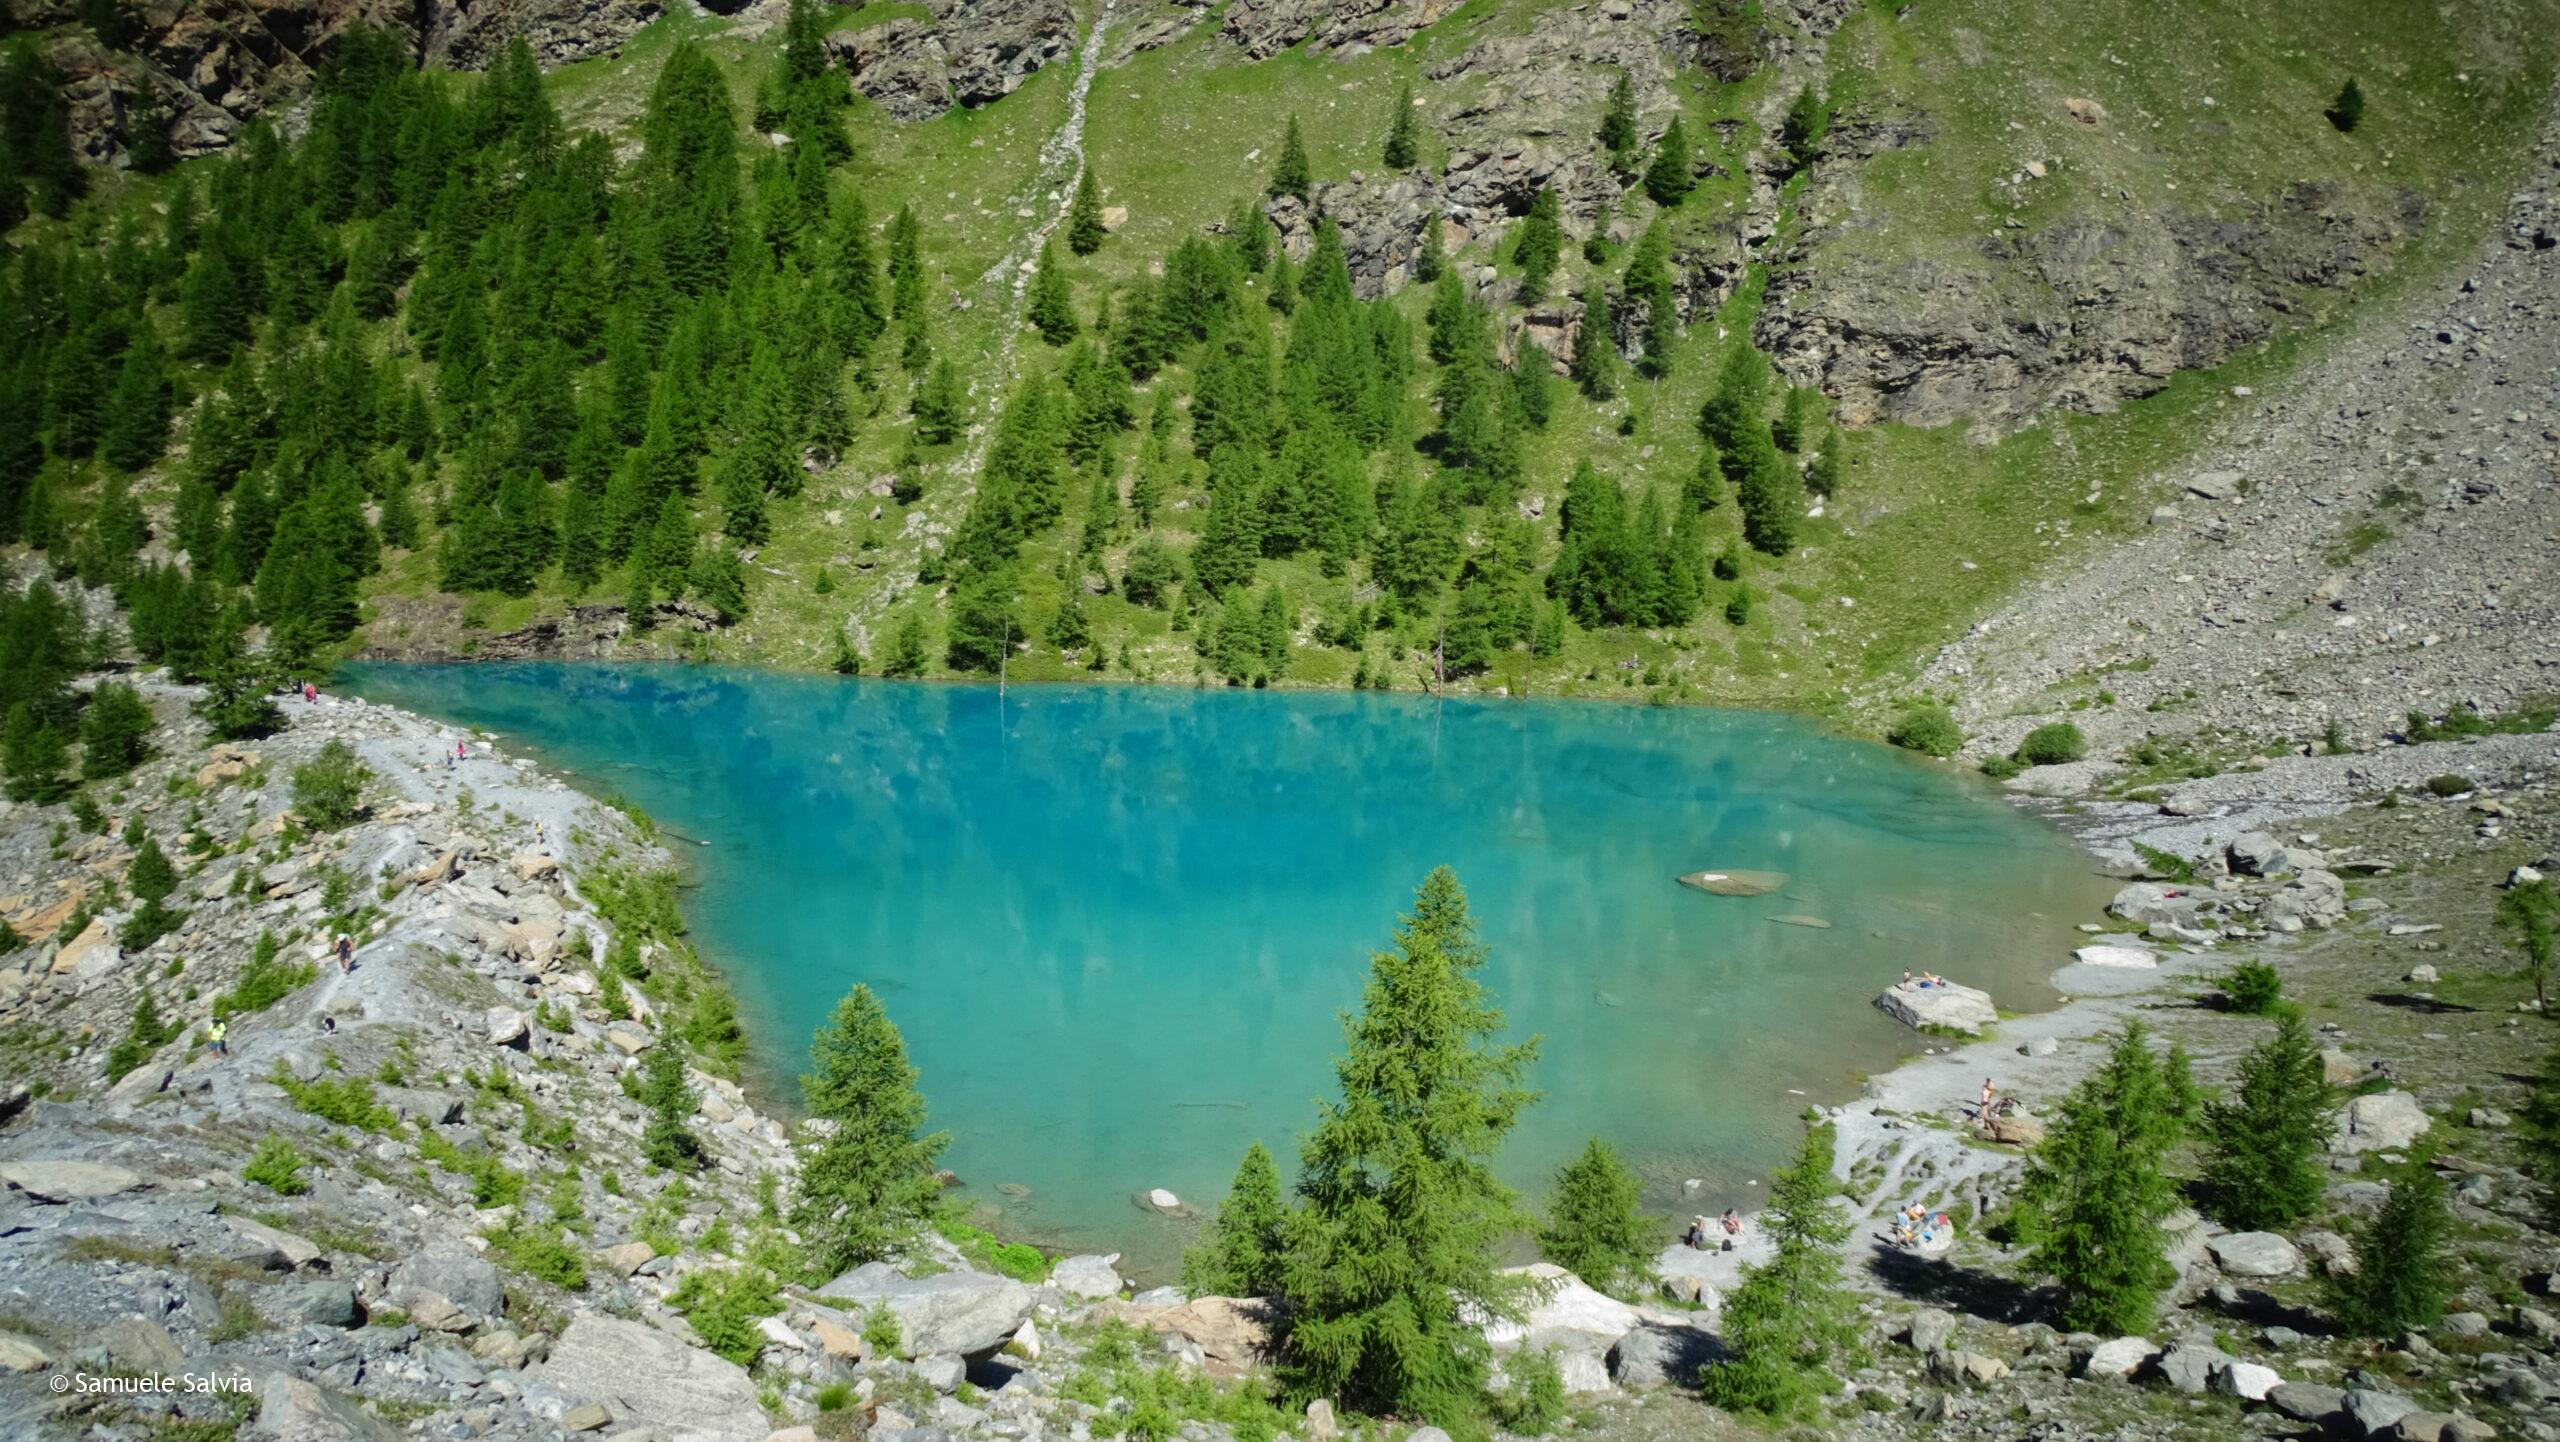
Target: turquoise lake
(1117,924)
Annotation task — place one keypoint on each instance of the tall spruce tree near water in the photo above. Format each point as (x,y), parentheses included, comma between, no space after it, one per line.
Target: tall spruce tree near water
(1392,1249)
(1594,1229)
(1792,1319)
(2098,1187)
(1241,1253)
(2263,1172)
(866,1178)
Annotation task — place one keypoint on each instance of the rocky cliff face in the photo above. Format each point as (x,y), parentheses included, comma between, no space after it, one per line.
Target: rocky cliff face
(973,52)
(209,65)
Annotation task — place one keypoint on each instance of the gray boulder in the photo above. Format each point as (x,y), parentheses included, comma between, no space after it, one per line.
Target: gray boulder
(1930,1330)
(2309,1402)
(963,1313)
(2372,1414)
(2312,900)
(1947,1007)
(2260,854)
(2190,1369)
(1087,1276)
(465,1280)
(293,1410)
(1654,1355)
(2379,1122)
(2255,1254)
(2152,903)
(645,1376)
(2118,1357)
(320,1304)
(68,1181)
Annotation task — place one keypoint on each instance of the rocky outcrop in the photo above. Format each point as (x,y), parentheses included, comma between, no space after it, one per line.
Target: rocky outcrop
(970,53)
(949,1313)
(1942,1007)
(641,1373)
(205,67)
(2083,312)
(1264,28)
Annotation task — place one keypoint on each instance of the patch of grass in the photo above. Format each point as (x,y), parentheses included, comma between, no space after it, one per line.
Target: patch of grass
(2167,865)
(1011,1259)
(277,1165)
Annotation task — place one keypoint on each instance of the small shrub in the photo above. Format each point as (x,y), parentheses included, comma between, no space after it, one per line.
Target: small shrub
(2252,988)
(2001,768)
(723,1307)
(277,1166)
(1928,729)
(544,1254)
(1532,1399)
(880,1332)
(2448,785)
(266,981)
(329,788)
(2055,743)
(2167,865)
(347,1101)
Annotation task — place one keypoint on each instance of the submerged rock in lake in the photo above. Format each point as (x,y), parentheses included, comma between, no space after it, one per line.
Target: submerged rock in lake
(1735,883)
(1813,923)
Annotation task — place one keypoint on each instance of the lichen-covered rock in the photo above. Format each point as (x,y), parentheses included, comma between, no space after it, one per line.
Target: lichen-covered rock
(1947,1007)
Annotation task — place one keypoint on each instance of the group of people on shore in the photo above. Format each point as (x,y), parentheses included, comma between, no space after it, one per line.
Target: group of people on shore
(1699,1237)
(1921,980)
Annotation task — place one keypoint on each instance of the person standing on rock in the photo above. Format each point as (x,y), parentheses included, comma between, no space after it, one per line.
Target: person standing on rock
(346,949)
(218,1032)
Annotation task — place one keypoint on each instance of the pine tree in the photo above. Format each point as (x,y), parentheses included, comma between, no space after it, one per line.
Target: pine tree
(1084,216)
(941,405)
(1292,175)
(2399,1284)
(1808,117)
(115,731)
(1240,1253)
(1822,478)
(1430,254)
(1053,311)
(1649,281)
(1391,1256)
(982,628)
(1594,1228)
(906,657)
(2098,1187)
(1540,246)
(1404,133)
(2529,914)
(1595,345)
(1792,1320)
(137,420)
(1618,123)
(2347,111)
(32,756)
(150,878)
(1669,179)
(2262,1171)
(866,1178)
(667,1092)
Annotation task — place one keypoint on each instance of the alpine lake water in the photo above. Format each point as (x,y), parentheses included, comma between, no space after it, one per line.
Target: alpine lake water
(1118,925)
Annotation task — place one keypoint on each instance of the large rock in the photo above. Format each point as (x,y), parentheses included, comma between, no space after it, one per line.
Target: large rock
(1087,1276)
(2257,853)
(2140,958)
(2309,1402)
(646,1376)
(467,1281)
(1655,1354)
(2379,1122)
(293,1410)
(2372,1413)
(2190,1368)
(92,953)
(2255,1254)
(1573,1316)
(2118,1357)
(68,1181)
(2248,1381)
(1948,1007)
(962,1313)
(2155,903)
(1232,1333)
(2312,900)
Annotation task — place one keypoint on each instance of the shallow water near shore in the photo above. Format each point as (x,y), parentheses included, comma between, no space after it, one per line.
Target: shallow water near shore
(1117,924)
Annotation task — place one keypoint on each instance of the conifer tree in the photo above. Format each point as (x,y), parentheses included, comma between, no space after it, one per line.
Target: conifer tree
(2262,1172)
(982,629)
(1540,246)
(2098,1187)
(1053,311)
(32,755)
(1292,174)
(1084,216)
(150,878)
(866,1180)
(1594,1228)
(1792,1320)
(906,655)
(667,1091)
(1649,281)
(1240,1253)
(1595,345)
(115,731)
(1822,478)
(1669,179)
(1391,1260)
(2347,111)
(2529,914)
(1808,117)
(940,405)
(137,419)
(1404,133)
(1429,251)
(2399,1283)
(1618,123)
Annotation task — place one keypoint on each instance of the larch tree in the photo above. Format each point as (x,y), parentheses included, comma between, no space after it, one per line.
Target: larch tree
(1392,1251)
(1404,133)
(1669,178)
(2262,1168)
(2400,1279)
(1792,1321)
(1292,175)
(1084,215)
(866,1175)
(1241,1252)
(2099,1185)
(1596,1228)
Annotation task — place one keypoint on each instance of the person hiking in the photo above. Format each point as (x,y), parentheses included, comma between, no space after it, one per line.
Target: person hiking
(218,1032)
(346,949)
